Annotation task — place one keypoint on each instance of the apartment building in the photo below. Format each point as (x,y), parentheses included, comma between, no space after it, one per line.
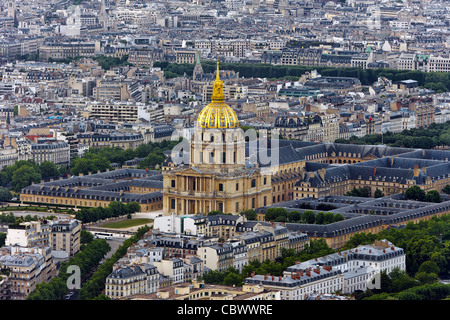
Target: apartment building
(66,236)
(424,110)
(124,140)
(29,234)
(21,144)
(216,256)
(186,56)
(131,280)
(111,90)
(318,280)
(59,235)
(200,291)
(115,112)
(182,224)
(322,128)
(8,157)
(345,271)
(64,50)
(28,266)
(173,268)
(145,57)
(9,50)
(51,150)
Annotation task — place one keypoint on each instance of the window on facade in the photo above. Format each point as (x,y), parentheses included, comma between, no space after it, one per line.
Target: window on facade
(220,186)
(253,183)
(173,183)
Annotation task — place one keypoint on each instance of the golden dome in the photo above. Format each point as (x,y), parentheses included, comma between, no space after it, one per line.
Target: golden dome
(217,114)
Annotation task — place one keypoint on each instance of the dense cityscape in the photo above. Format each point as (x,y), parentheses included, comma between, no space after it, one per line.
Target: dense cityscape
(233,151)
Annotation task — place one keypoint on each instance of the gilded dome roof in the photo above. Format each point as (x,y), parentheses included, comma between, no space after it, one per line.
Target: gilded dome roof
(217,114)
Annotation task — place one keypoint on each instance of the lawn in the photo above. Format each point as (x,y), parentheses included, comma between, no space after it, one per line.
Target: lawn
(127,223)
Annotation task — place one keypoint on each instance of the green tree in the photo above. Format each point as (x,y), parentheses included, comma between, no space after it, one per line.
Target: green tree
(338,217)
(328,217)
(273,214)
(320,217)
(426,278)
(414,193)
(132,207)
(63,170)
(48,170)
(249,214)
(308,217)
(359,192)
(378,193)
(429,267)
(24,176)
(2,239)
(446,189)
(433,196)
(294,216)
(232,279)
(215,213)
(5,195)
(86,237)
(90,163)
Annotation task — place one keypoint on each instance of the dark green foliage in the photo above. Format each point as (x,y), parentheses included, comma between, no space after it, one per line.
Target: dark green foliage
(446,189)
(215,213)
(86,259)
(2,239)
(325,207)
(273,214)
(437,134)
(308,217)
(433,196)
(114,209)
(320,218)
(434,291)
(434,80)
(90,163)
(359,192)
(86,237)
(5,194)
(48,170)
(92,288)
(107,62)
(414,193)
(249,214)
(378,193)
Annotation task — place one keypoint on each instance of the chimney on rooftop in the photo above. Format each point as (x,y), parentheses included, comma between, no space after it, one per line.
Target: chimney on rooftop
(416,170)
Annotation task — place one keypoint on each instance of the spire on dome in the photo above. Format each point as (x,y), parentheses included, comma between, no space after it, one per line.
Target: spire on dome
(217,94)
